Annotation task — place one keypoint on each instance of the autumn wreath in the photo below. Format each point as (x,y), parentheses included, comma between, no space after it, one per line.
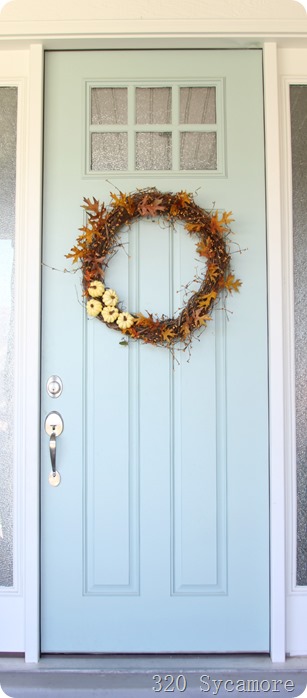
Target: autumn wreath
(99,240)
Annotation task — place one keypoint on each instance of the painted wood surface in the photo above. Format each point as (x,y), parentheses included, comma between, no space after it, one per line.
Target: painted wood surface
(27,10)
(157,538)
(93,24)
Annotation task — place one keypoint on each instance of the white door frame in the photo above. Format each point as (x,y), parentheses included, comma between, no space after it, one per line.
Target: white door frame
(292,71)
(31,384)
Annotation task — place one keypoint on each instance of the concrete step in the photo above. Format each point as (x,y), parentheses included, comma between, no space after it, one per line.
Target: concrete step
(141,684)
(137,676)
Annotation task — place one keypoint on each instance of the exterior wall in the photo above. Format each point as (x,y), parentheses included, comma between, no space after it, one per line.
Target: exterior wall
(26,28)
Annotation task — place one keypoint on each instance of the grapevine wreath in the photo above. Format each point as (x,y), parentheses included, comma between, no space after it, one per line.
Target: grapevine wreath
(99,241)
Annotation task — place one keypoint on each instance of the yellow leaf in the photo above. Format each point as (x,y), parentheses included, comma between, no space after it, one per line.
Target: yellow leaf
(236,285)
(231,283)
(206,299)
(184,197)
(76,253)
(205,249)
(182,200)
(87,237)
(168,334)
(194,227)
(213,271)
(185,329)
(226,218)
(143,321)
(123,201)
(91,207)
(199,318)
(216,225)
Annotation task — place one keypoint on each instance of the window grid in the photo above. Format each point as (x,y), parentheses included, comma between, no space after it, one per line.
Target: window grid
(175,122)
(175,128)
(131,131)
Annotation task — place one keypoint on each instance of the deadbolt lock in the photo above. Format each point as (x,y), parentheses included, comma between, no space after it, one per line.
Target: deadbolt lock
(54,386)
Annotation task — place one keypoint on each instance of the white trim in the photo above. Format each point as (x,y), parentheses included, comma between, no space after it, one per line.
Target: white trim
(19,315)
(32,377)
(123,32)
(19,607)
(14,73)
(289,340)
(276,409)
(290,435)
(276,377)
(278,370)
(293,70)
(275,354)
(18,499)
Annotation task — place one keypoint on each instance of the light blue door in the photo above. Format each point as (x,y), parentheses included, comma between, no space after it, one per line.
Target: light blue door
(157,538)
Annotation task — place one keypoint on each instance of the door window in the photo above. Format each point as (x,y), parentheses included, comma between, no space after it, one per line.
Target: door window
(160,128)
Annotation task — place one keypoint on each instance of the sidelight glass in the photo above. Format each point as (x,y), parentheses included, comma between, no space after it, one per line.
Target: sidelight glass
(298,102)
(8,129)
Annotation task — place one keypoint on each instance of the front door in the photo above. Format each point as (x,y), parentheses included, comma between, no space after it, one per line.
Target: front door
(157,537)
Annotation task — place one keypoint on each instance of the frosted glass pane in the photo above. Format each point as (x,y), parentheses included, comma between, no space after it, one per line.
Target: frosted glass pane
(153,151)
(298,98)
(109,105)
(198,151)
(8,125)
(197,105)
(109,151)
(153,105)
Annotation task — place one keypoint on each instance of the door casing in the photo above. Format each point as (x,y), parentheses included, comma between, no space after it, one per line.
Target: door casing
(33,115)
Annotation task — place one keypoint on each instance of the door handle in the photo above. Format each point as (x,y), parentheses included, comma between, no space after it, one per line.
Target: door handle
(54,426)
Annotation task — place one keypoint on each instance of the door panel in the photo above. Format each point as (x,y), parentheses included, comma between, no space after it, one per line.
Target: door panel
(156,540)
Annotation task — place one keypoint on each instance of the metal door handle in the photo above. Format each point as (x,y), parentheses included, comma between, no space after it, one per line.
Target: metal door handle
(52,449)
(54,426)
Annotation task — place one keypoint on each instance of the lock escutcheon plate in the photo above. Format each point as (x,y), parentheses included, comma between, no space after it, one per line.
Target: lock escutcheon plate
(54,424)
(54,478)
